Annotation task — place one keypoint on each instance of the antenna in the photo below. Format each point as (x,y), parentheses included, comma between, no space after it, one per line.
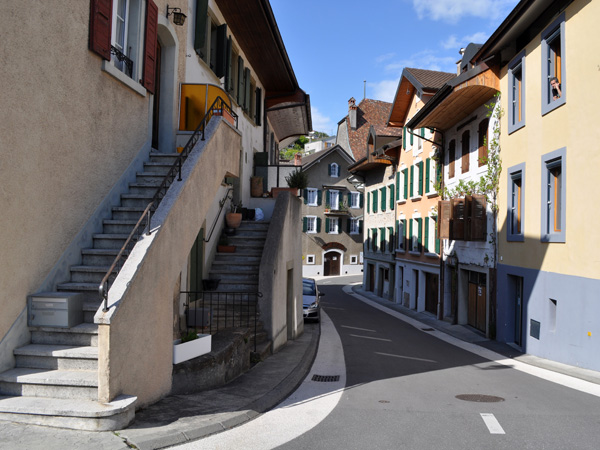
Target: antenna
(365,90)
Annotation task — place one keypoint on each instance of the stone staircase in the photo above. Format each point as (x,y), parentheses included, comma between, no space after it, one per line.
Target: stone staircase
(55,381)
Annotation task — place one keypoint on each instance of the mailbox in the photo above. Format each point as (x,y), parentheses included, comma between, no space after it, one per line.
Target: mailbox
(55,309)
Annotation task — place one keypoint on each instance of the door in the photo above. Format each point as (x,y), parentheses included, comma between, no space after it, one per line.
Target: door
(477,300)
(431,292)
(518,296)
(331,264)
(371,277)
(156,104)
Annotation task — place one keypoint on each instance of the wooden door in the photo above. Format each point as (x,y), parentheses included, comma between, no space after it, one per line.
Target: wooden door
(431,292)
(331,264)
(481,307)
(472,314)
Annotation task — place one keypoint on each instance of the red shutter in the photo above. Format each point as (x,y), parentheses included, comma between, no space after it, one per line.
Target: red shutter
(100,27)
(149,79)
(478,218)
(457,229)
(445,214)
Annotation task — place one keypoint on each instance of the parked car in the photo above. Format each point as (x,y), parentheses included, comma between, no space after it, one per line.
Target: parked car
(311,299)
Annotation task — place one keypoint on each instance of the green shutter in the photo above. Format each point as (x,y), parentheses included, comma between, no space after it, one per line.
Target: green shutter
(368,203)
(411,137)
(327,225)
(228,66)
(318,224)
(426,235)
(404,231)
(420,234)
(361,199)
(375,204)
(240,92)
(410,234)
(201,19)
(319,197)
(427,174)
(327,199)
(391,239)
(422,132)
(404,138)
(360,226)
(412,178)
(437,240)
(304,224)
(329,170)
(420,187)
(221,65)
(405,172)
(383,201)
(348,224)
(397,185)
(247,87)
(305,195)
(349,202)
(391,196)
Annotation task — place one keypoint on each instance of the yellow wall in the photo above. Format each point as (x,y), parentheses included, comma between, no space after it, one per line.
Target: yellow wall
(195,99)
(574,126)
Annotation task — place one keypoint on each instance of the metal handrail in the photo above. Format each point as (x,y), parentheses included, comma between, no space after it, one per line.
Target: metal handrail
(218,105)
(221,205)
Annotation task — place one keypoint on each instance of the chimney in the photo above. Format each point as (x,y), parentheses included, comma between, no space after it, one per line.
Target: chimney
(297,159)
(352,112)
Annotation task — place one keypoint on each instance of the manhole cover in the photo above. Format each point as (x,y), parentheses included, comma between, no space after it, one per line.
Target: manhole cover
(383,401)
(326,378)
(427,329)
(479,398)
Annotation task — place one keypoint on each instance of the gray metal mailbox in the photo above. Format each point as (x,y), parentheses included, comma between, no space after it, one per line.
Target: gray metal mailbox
(55,309)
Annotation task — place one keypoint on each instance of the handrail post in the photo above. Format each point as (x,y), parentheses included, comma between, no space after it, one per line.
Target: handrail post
(149,219)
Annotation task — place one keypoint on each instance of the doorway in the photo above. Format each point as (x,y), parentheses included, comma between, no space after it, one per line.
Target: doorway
(332,264)
(371,277)
(431,292)
(477,300)
(156,104)
(517,294)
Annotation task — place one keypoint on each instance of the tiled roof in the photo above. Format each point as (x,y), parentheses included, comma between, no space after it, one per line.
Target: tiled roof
(369,112)
(430,79)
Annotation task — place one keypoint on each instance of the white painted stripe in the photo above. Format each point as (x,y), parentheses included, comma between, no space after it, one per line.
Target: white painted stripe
(369,337)
(360,329)
(492,423)
(405,357)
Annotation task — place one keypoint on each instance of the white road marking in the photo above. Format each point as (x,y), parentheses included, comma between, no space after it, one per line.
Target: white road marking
(360,329)
(406,357)
(545,374)
(492,423)
(369,337)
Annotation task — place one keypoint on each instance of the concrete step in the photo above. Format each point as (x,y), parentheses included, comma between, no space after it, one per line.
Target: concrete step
(239,257)
(238,286)
(127,212)
(90,307)
(157,167)
(149,177)
(243,266)
(50,383)
(118,226)
(99,256)
(89,290)
(250,233)
(164,158)
(246,241)
(138,200)
(146,189)
(253,224)
(76,414)
(227,276)
(61,357)
(84,334)
(90,274)
(114,241)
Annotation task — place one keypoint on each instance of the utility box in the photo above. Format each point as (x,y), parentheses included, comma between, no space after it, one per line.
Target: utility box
(55,309)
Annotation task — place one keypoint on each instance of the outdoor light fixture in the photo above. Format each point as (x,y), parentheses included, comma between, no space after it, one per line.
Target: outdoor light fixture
(178,16)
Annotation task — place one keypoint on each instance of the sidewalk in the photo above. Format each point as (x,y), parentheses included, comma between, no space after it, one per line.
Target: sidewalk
(468,334)
(182,418)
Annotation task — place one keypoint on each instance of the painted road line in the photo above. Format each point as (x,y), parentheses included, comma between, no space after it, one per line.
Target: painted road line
(359,329)
(369,337)
(492,423)
(406,357)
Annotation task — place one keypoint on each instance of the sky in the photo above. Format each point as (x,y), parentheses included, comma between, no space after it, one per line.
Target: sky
(335,46)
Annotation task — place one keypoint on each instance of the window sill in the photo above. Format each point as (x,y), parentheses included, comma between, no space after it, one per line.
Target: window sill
(414,253)
(416,198)
(515,238)
(431,194)
(516,127)
(401,202)
(432,255)
(110,69)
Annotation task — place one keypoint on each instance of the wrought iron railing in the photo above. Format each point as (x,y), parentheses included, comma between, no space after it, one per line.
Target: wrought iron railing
(209,312)
(144,225)
(123,59)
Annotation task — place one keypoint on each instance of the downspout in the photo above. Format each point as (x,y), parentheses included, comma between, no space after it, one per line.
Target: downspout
(440,314)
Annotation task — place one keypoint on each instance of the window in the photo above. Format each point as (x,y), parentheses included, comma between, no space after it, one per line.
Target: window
(332,225)
(374,239)
(482,140)
(126,37)
(311,197)
(553,196)
(354,200)
(420,178)
(516,86)
(374,202)
(353,259)
(451,158)
(554,84)
(382,241)
(334,170)
(391,196)
(415,235)
(401,235)
(354,226)
(516,192)
(310,259)
(416,179)
(420,139)
(431,241)
(466,143)
(311,224)
(390,243)
(333,200)
(383,201)
(430,176)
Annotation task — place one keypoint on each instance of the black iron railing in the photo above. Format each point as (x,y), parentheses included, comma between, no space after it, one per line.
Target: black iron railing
(208,312)
(144,224)
(124,61)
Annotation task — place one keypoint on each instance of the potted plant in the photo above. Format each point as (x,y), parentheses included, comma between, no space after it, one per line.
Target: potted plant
(223,245)
(297,181)
(191,345)
(234,216)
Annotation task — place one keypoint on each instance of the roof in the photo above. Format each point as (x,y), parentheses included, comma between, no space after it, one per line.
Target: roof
(428,80)
(369,113)
(312,159)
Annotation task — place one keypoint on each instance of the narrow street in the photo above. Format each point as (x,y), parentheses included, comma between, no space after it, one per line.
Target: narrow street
(401,387)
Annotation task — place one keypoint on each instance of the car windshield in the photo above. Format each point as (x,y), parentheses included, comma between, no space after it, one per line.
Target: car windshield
(308,287)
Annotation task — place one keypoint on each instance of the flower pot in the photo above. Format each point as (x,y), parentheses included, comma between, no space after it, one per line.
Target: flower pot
(228,117)
(275,191)
(226,248)
(191,349)
(234,220)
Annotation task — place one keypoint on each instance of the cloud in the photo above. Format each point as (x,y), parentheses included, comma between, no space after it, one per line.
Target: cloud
(455,43)
(426,59)
(382,58)
(321,122)
(453,10)
(382,90)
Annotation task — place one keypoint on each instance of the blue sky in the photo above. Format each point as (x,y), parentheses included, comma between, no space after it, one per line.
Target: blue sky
(334,45)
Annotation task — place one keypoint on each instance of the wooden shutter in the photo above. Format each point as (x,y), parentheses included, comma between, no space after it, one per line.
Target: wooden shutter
(391,196)
(391,240)
(458,221)
(318,224)
(329,170)
(410,235)
(246,89)
(229,66)
(100,27)
(361,199)
(319,197)
(403,234)
(411,137)
(374,201)
(383,201)
(412,181)
(427,174)
(240,92)
(327,225)
(426,241)
(422,132)
(420,187)
(405,172)
(201,20)
(221,64)
(445,215)
(304,224)
(483,141)
(420,234)
(451,158)
(397,185)
(327,199)
(368,203)
(305,195)
(149,78)
(466,141)
(360,226)
(348,225)
(404,138)
(258,114)
(437,240)
(478,217)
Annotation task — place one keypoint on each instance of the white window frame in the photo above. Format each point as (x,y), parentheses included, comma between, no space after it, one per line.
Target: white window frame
(334,204)
(310,192)
(334,225)
(311,220)
(310,259)
(354,225)
(353,259)
(132,42)
(335,170)
(354,200)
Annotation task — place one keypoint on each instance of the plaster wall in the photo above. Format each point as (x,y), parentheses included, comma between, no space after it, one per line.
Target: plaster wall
(572,126)
(142,294)
(69,142)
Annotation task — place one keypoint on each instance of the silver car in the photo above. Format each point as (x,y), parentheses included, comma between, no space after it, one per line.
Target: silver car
(311,299)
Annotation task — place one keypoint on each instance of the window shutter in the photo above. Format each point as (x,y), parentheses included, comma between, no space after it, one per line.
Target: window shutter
(329,170)
(404,231)
(412,178)
(437,240)
(391,240)
(348,225)
(398,234)
(391,196)
(200,32)
(319,197)
(247,87)
(221,66)
(420,187)
(327,225)
(368,203)
(349,199)
(466,138)
(149,78)
(405,172)
(411,137)
(478,218)
(483,142)
(374,201)
(426,241)
(420,234)
(427,173)
(304,224)
(451,158)
(229,66)
(457,228)
(422,132)
(410,235)
(383,200)
(360,226)
(100,27)
(305,195)
(361,199)
(445,213)
(258,116)
(240,92)
(397,185)
(327,199)
(318,224)
(404,138)
(438,173)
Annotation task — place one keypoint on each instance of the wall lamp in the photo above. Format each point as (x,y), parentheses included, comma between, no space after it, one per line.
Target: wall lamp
(178,16)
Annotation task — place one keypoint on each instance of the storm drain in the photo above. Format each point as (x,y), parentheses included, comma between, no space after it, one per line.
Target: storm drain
(479,398)
(326,378)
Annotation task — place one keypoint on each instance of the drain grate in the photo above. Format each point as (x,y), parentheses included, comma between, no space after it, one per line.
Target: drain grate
(479,398)
(326,378)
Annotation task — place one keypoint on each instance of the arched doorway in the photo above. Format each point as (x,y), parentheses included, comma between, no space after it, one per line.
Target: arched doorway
(163,114)
(332,263)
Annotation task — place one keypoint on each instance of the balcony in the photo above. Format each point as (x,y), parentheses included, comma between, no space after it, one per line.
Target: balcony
(341,210)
